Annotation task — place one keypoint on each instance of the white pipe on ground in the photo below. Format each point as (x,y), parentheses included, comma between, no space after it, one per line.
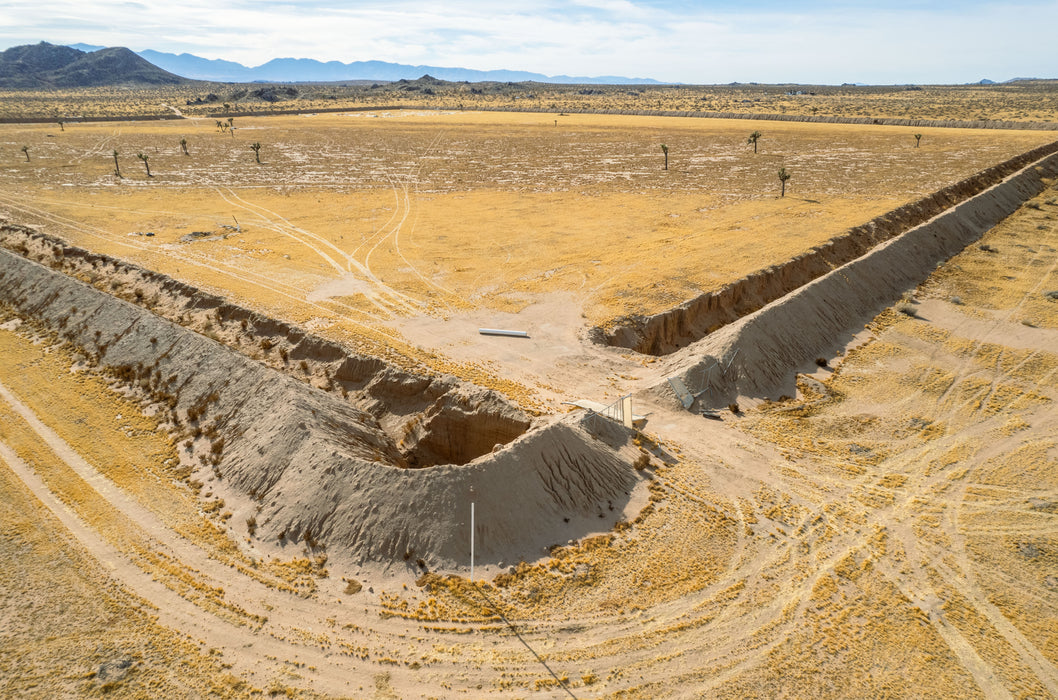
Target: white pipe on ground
(496,331)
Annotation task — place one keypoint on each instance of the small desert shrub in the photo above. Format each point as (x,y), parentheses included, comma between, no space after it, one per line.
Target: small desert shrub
(734,408)
(251,525)
(957,301)
(906,308)
(821,361)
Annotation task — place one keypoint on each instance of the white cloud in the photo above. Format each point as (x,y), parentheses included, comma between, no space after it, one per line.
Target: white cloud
(822,41)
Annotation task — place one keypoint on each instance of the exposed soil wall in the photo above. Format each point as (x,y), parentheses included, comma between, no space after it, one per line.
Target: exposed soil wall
(309,466)
(678,327)
(415,410)
(759,354)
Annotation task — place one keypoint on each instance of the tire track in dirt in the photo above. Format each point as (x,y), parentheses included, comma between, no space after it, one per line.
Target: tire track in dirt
(287,634)
(283,229)
(254,656)
(391,230)
(280,289)
(283,226)
(899,519)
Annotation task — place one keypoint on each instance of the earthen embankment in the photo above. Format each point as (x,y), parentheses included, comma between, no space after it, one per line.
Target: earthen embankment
(678,327)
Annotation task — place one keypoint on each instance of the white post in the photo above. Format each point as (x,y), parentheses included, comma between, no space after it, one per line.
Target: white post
(472,542)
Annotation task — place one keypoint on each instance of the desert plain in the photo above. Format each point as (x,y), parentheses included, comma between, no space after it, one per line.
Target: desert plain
(882,522)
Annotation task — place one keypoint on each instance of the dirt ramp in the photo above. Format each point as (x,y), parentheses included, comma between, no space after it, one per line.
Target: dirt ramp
(758,355)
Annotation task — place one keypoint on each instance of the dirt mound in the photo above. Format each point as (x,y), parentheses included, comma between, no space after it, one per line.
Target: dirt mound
(668,331)
(405,403)
(758,355)
(309,466)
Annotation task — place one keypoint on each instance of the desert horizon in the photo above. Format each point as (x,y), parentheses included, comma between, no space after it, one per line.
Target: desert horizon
(436,389)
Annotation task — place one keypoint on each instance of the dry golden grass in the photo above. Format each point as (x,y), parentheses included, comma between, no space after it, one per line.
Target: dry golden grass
(889,535)
(131,450)
(899,539)
(948,451)
(354,220)
(65,618)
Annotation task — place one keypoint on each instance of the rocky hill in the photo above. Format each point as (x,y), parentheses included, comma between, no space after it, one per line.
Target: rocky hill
(45,65)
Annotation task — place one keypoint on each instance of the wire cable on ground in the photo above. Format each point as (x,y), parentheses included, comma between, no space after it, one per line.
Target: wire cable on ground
(496,609)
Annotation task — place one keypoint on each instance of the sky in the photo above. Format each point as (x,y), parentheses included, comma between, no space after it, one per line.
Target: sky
(710,42)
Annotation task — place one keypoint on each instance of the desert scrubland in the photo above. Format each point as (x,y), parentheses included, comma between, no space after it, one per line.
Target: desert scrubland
(244,407)
(1019,102)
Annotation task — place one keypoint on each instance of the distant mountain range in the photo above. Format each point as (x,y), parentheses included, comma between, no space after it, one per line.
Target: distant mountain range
(303,70)
(46,65)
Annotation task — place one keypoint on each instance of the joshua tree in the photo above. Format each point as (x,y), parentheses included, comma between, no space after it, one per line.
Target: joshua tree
(753,138)
(231,126)
(918,139)
(61,127)
(220,125)
(183,145)
(25,151)
(783,177)
(256,146)
(144,157)
(117,168)
(665,150)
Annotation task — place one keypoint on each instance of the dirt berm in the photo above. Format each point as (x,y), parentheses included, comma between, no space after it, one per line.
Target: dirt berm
(668,331)
(306,462)
(758,355)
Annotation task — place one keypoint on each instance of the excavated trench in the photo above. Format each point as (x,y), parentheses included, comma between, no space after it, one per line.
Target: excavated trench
(668,331)
(430,420)
(315,443)
(759,355)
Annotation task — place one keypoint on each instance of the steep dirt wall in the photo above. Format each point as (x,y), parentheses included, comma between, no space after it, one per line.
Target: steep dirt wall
(418,411)
(313,469)
(670,330)
(760,353)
